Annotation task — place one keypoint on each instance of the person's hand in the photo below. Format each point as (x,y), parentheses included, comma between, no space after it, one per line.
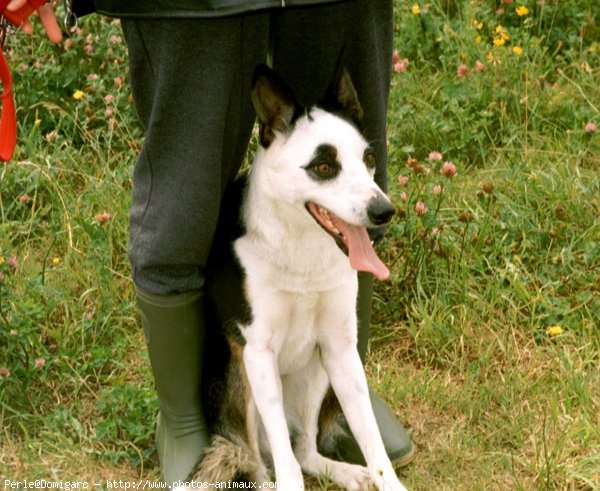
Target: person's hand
(47,17)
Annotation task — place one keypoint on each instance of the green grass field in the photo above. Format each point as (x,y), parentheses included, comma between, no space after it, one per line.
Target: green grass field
(487,338)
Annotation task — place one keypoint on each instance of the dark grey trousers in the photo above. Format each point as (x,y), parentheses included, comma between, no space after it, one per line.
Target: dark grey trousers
(191,83)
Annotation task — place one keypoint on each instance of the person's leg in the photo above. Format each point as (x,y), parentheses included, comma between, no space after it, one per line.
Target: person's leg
(191,81)
(306,44)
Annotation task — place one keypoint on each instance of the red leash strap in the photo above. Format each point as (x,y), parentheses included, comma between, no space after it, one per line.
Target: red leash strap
(8,120)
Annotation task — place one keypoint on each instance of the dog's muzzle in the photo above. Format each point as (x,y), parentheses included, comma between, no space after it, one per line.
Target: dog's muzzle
(354,239)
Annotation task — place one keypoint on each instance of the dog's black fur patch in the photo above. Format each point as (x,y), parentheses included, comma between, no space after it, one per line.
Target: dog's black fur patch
(225,276)
(226,303)
(325,165)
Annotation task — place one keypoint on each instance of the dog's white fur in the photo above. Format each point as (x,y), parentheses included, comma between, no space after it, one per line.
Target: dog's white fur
(302,292)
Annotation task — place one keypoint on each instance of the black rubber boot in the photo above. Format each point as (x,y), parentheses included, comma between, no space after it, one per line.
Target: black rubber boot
(174,329)
(395,438)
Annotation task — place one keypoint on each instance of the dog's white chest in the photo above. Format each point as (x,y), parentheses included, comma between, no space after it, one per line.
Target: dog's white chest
(298,339)
(288,324)
(291,324)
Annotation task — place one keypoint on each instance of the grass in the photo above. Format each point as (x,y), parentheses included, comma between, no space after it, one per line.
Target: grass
(486,340)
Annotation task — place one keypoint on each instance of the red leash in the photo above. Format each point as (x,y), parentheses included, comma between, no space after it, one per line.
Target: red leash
(8,120)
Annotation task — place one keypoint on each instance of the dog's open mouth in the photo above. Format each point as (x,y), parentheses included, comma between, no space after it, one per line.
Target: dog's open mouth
(352,239)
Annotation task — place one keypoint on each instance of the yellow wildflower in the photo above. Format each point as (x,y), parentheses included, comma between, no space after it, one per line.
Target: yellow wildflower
(554,331)
(2,260)
(479,26)
(502,32)
(37,122)
(78,95)
(478,39)
(489,56)
(56,261)
(522,10)
(499,41)
(517,50)
(416,9)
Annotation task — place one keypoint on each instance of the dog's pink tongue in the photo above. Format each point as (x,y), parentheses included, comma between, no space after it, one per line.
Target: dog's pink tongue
(360,249)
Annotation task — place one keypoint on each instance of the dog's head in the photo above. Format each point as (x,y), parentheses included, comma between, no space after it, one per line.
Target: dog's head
(316,160)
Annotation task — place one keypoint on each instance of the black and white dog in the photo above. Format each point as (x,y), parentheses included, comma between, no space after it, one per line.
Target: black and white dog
(308,204)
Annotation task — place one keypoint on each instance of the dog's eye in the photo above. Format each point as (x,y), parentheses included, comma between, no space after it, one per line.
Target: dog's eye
(369,159)
(323,169)
(324,165)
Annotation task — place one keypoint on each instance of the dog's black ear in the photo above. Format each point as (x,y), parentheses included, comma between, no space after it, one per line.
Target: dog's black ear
(274,103)
(341,93)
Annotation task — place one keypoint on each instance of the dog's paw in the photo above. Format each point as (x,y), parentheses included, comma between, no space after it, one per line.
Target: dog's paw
(290,479)
(349,476)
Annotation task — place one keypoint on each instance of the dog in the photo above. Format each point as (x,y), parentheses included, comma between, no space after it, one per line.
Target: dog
(303,235)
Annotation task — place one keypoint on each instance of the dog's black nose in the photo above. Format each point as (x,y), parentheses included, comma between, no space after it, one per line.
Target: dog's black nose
(380,211)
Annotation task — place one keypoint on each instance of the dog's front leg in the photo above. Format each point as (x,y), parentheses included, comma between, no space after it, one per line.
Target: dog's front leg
(342,363)
(265,382)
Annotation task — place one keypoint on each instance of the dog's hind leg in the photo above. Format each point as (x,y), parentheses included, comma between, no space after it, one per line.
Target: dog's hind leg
(304,392)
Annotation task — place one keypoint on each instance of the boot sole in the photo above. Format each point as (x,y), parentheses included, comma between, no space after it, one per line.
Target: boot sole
(405,459)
